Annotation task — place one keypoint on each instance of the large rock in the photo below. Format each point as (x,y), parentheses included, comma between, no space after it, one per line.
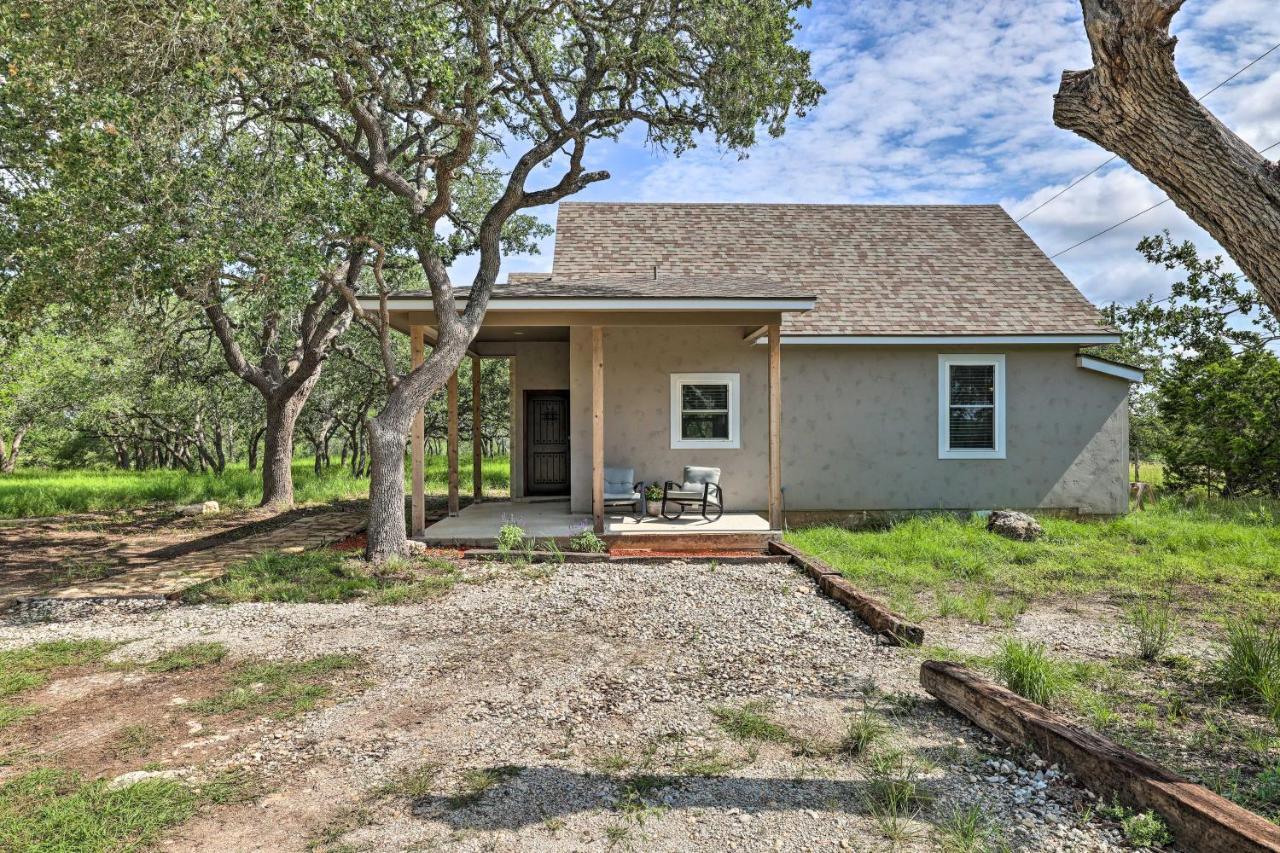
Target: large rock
(124,780)
(199,509)
(1014,525)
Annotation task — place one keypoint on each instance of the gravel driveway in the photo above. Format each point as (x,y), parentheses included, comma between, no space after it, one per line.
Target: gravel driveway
(576,709)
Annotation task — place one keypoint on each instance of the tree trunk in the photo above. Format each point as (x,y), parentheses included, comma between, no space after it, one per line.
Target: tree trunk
(253,447)
(1133,103)
(277,457)
(387,536)
(9,455)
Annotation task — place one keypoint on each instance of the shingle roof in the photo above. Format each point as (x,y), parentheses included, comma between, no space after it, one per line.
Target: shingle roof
(875,269)
(542,286)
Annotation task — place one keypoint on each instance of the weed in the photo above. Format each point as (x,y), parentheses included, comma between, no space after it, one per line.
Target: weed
(189,656)
(440,577)
(969,830)
(286,687)
(555,556)
(1267,786)
(588,542)
(1145,829)
(512,541)
(414,784)
(1251,667)
(862,731)
(708,762)
(10,714)
(476,782)
(1028,671)
(1153,625)
(134,740)
(750,722)
(233,785)
(894,793)
(613,762)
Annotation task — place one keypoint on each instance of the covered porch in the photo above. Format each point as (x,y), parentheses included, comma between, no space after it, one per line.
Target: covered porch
(477,525)
(597,381)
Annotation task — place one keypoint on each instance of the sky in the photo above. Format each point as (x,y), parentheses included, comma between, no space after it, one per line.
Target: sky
(951,102)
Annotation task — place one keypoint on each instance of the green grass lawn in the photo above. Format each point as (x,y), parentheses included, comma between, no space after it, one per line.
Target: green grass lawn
(33,493)
(1220,557)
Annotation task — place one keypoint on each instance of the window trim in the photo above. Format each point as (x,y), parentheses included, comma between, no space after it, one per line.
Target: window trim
(678,442)
(945,361)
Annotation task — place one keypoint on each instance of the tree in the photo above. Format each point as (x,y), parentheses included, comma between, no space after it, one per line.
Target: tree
(1134,104)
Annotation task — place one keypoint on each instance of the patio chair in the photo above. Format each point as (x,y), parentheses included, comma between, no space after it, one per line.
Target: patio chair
(700,489)
(620,488)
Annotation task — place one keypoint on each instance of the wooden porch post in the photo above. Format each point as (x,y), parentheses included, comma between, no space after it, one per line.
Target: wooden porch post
(453,443)
(477,457)
(417,441)
(597,428)
(775,427)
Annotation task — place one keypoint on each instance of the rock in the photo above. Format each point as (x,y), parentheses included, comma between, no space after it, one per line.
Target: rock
(199,509)
(1014,525)
(124,780)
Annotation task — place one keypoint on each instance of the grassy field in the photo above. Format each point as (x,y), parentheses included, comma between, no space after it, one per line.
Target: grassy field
(33,493)
(1220,557)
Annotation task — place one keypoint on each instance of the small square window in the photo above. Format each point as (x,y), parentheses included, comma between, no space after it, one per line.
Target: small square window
(704,410)
(971,407)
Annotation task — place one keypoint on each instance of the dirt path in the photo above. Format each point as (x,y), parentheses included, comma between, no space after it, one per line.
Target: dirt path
(578,711)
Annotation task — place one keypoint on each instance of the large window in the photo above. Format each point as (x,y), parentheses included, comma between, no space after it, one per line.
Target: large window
(704,410)
(971,407)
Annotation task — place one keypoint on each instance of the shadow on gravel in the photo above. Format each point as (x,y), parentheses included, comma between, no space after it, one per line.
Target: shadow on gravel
(537,794)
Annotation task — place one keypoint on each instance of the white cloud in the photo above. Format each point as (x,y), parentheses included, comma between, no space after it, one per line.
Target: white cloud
(952,102)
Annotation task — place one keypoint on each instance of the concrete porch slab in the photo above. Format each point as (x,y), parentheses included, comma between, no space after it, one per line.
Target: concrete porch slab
(478,524)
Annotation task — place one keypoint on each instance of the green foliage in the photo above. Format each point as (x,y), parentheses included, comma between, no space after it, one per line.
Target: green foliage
(51,811)
(969,829)
(190,656)
(285,688)
(588,542)
(511,539)
(25,668)
(1250,669)
(1141,829)
(1027,670)
(30,494)
(862,731)
(1154,624)
(1218,557)
(750,722)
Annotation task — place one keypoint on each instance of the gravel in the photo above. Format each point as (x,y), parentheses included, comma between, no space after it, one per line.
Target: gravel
(582,703)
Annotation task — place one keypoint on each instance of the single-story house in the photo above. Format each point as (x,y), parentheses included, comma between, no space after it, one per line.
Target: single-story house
(831,360)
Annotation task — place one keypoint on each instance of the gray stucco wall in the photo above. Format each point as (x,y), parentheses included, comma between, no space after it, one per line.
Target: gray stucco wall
(535,366)
(860,425)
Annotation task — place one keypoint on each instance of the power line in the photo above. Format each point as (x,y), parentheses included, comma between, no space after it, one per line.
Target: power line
(1060,193)
(1135,216)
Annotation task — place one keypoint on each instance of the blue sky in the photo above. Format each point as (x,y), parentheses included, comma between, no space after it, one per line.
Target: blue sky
(951,102)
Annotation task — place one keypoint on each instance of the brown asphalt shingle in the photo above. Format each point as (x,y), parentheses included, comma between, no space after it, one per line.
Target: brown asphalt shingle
(875,269)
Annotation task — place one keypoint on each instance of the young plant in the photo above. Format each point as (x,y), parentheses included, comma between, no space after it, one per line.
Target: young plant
(511,539)
(1251,667)
(1027,670)
(588,542)
(862,732)
(1153,627)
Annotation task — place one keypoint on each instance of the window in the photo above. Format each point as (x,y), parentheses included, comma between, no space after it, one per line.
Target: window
(971,407)
(704,410)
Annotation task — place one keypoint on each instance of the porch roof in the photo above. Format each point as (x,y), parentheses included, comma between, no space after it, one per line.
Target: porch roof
(653,286)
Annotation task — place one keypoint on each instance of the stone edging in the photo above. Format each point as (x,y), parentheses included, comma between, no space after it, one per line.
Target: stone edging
(605,557)
(1200,819)
(895,629)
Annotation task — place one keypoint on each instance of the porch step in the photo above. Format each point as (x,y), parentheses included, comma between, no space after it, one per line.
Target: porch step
(756,541)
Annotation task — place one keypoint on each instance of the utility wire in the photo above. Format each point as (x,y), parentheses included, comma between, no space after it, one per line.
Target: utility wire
(1060,193)
(1135,216)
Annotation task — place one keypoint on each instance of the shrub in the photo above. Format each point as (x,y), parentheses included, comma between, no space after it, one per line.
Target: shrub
(1145,829)
(1251,667)
(511,538)
(1028,671)
(1153,625)
(588,542)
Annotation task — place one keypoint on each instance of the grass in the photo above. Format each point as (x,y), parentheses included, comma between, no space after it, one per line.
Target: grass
(862,732)
(1221,557)
(29,667)
(1027,670)
(40,492)
(282,687)
(476,782)
(52,811)
(190,656)
(1251,667)
(969,829)
(326,576)
(750,722)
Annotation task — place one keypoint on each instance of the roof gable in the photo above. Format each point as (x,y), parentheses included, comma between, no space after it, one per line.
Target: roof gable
(875,269)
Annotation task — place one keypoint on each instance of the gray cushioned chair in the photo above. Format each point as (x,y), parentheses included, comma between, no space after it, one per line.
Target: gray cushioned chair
(620,487)
(700,489)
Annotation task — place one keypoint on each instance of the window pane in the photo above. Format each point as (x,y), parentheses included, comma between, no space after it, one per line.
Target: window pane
(705,426)
(973,428)
(973,383)
(704,397)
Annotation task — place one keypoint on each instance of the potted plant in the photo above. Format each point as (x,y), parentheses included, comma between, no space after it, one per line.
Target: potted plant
(653,500)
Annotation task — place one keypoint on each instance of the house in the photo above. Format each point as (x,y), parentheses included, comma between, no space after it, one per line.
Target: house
(833,361)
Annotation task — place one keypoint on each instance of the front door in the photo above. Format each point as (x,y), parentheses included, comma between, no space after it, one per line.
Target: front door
(546,442)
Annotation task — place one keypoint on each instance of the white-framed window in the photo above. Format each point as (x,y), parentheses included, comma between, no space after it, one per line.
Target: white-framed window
(971,406)
(704,411)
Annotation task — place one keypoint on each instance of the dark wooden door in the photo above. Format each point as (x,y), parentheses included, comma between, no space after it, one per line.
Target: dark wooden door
(546,442)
